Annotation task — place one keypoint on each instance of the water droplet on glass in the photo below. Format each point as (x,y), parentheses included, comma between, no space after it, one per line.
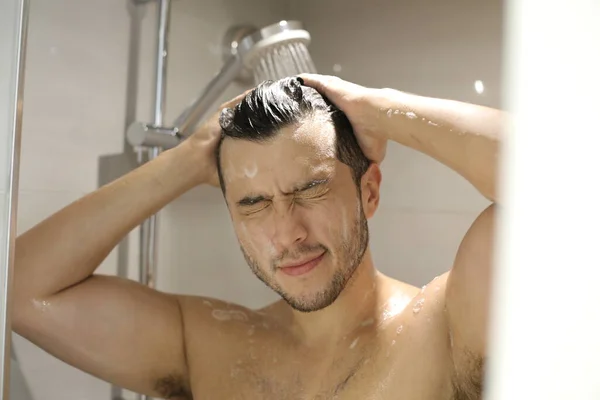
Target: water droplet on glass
(418,306)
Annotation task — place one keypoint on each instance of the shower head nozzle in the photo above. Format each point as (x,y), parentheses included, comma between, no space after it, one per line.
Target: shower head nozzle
(272,52)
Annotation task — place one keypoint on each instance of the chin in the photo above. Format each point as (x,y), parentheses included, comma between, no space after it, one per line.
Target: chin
(310,301)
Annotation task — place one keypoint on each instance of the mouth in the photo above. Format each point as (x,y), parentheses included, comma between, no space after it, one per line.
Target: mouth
(303,267)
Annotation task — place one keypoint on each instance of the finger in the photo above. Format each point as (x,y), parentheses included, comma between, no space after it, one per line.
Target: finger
(326,84)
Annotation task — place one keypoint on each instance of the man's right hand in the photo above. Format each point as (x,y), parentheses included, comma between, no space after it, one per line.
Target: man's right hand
(206,138)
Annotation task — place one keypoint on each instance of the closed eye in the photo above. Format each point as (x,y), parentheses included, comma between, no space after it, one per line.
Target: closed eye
(250,201)
(312,186)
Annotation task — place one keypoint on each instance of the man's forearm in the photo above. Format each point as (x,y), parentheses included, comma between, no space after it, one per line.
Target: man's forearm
(465,137)
(67,247)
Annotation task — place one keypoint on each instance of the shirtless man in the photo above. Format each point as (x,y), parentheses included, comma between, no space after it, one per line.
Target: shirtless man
(299,191)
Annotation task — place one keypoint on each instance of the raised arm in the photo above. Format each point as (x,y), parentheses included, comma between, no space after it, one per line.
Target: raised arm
(463,136)
(466,138)
(115,329)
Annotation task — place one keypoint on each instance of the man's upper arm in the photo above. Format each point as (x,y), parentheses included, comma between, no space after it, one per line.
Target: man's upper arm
(468,293)
(114,329)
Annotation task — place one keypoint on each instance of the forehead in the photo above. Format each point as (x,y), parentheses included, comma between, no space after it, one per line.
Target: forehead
(296,151)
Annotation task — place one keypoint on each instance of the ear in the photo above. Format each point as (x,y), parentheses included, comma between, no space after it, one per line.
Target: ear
(370,184)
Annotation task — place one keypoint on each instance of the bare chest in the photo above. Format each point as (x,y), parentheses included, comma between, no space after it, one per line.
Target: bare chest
(395,368)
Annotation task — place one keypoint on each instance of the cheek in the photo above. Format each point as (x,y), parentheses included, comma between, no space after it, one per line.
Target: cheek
(331,222)
(256,239)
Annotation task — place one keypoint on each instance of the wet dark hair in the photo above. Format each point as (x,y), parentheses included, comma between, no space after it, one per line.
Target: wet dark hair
(274,105)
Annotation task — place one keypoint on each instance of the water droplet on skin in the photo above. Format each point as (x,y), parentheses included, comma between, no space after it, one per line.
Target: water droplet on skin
(393,342)
(411,115)
(399,329)
(418,305)
(228,315)
(423,288)
(423,119)
(353,345)
(368,322)
(42,305)
(207,303)
(397,112)
(432,123)
(389,112)
(437,289)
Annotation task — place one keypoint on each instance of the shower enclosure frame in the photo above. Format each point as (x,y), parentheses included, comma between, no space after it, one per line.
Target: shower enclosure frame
(14,19)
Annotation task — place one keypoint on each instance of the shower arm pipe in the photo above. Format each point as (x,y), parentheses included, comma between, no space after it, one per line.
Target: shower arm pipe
(155,135)
(198,109)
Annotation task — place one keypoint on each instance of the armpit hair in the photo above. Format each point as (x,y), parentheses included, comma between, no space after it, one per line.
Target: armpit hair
(173,387)
(467,384)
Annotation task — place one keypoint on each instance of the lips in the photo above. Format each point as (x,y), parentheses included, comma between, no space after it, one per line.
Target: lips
(303,267)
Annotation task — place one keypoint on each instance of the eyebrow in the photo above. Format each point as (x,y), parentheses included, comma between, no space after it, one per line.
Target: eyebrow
(253,199)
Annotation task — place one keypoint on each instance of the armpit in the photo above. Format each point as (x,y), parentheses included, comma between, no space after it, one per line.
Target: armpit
(467,380)
(173,387)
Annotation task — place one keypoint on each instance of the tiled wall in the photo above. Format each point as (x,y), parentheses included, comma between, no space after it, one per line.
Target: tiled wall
(75,112)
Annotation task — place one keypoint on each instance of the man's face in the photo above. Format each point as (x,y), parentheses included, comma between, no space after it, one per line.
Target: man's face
(297,212)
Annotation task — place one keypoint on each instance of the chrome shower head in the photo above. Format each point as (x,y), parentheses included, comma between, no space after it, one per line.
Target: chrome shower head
(273,52)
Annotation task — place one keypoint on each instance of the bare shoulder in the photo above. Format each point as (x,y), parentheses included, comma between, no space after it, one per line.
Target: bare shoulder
(224,338)
(219,330)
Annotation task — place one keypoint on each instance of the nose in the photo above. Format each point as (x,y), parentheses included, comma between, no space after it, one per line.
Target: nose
(290,229)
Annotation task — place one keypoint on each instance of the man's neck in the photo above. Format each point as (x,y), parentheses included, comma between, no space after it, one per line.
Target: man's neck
(359,305)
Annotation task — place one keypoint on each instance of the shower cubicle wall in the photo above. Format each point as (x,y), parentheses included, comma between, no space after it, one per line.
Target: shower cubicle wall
(84,86)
